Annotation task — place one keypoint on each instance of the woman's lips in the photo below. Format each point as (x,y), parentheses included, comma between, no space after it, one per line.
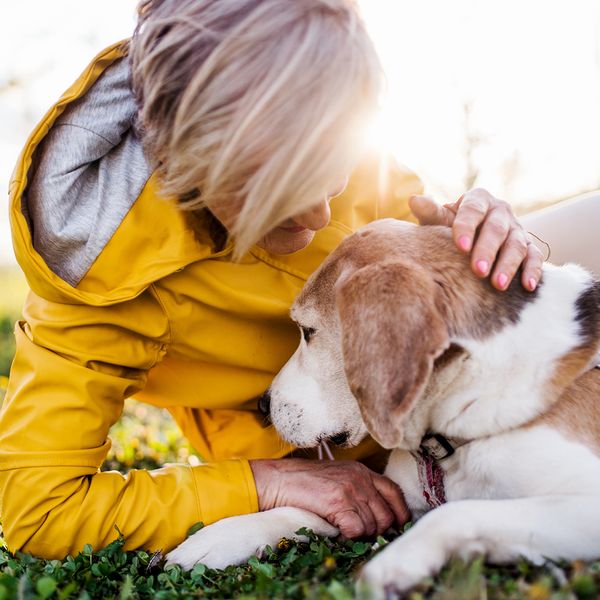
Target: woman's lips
(295,229)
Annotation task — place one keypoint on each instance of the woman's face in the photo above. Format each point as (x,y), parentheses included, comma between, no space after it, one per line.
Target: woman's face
(295,233)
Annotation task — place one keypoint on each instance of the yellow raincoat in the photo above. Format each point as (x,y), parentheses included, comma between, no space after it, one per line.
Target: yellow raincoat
(164,317)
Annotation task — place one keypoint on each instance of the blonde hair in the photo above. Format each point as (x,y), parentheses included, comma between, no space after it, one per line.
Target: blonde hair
(257,103)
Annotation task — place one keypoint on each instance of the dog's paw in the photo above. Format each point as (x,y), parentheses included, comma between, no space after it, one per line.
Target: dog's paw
(217,546)
(398,568)
(234,540)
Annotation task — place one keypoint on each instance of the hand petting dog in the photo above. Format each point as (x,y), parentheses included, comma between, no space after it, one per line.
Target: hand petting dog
(486,227)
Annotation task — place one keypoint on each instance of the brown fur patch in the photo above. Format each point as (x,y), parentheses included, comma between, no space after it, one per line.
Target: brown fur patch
(569,368)
(472,307)
(577,412)
(389,346)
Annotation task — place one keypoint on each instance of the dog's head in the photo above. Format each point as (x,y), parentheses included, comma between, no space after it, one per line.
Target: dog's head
(399,336)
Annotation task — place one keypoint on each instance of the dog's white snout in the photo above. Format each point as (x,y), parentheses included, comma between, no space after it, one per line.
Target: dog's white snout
(311,401)
(297,409)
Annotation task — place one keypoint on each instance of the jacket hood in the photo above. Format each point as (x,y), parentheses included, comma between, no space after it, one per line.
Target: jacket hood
(83,181)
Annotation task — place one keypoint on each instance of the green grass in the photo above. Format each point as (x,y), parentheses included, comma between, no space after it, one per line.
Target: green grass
(146,437)
(319,569)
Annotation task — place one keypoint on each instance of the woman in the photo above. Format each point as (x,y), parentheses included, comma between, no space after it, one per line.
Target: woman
(246,115)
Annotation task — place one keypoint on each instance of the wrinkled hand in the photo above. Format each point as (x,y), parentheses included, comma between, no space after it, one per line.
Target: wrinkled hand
(486,227)
(350,496)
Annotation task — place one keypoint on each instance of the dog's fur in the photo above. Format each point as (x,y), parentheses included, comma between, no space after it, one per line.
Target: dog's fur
(408,341)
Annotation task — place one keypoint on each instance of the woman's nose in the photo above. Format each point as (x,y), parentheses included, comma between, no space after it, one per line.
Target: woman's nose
(316,217)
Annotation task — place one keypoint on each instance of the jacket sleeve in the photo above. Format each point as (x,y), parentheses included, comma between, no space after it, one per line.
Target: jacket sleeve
(74,366)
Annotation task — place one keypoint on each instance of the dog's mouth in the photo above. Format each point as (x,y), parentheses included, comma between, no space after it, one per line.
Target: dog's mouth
(341,440)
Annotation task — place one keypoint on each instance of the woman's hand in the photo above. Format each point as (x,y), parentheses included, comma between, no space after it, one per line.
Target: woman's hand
(486,227)
(350,496)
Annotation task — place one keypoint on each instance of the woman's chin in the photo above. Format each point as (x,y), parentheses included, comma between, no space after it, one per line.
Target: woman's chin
(280,241)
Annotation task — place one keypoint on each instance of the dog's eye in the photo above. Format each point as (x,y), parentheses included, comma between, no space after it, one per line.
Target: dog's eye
(307,333)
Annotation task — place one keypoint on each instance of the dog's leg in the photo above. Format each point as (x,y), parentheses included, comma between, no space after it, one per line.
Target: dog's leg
(234,540)
(503,530)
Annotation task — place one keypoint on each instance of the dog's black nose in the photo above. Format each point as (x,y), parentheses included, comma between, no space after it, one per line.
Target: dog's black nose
(339,438)
(264,404)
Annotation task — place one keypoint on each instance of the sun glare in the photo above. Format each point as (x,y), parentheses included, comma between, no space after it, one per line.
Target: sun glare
(381,131)
(506,92)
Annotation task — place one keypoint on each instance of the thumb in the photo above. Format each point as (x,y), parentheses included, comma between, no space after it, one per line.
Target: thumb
(429,212)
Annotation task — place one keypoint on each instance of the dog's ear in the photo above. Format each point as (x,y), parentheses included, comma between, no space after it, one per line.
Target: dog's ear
(392,332)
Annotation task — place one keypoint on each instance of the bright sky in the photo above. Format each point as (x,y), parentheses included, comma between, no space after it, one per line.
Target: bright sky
(529,71)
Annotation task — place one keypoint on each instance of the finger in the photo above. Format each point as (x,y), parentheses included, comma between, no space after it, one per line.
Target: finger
(471,213)
(429,212)
(394,497)
(532,267)
(492,235)
(511,256)
(350,523)
(384,517)
(368,518)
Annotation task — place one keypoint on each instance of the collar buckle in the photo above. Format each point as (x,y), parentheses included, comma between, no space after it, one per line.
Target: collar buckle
(436,446)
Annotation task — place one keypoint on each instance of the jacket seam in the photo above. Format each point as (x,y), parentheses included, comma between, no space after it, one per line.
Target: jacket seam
(163,346)
(85,129)
(58,463)
(249,494)
(342,227)
(275,264)
(198,502)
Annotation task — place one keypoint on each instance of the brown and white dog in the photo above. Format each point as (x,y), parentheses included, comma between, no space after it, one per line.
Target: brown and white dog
(402,341)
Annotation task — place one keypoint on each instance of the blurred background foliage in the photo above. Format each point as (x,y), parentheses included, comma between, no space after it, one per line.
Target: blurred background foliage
(13,290)
(146,437)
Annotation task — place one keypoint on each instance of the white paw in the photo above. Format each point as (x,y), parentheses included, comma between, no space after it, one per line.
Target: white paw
(217,546)
(399,567)
(234,540)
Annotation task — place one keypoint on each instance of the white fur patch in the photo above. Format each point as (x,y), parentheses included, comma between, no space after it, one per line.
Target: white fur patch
(234,540)
(525,462)
(502,385)
(527,493)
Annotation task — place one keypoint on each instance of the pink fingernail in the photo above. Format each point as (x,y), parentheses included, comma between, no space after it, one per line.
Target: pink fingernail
(482,266)
(464,242)
(502,280)
(532,284)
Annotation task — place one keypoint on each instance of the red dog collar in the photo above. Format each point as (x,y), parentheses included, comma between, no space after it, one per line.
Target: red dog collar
(433,449)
